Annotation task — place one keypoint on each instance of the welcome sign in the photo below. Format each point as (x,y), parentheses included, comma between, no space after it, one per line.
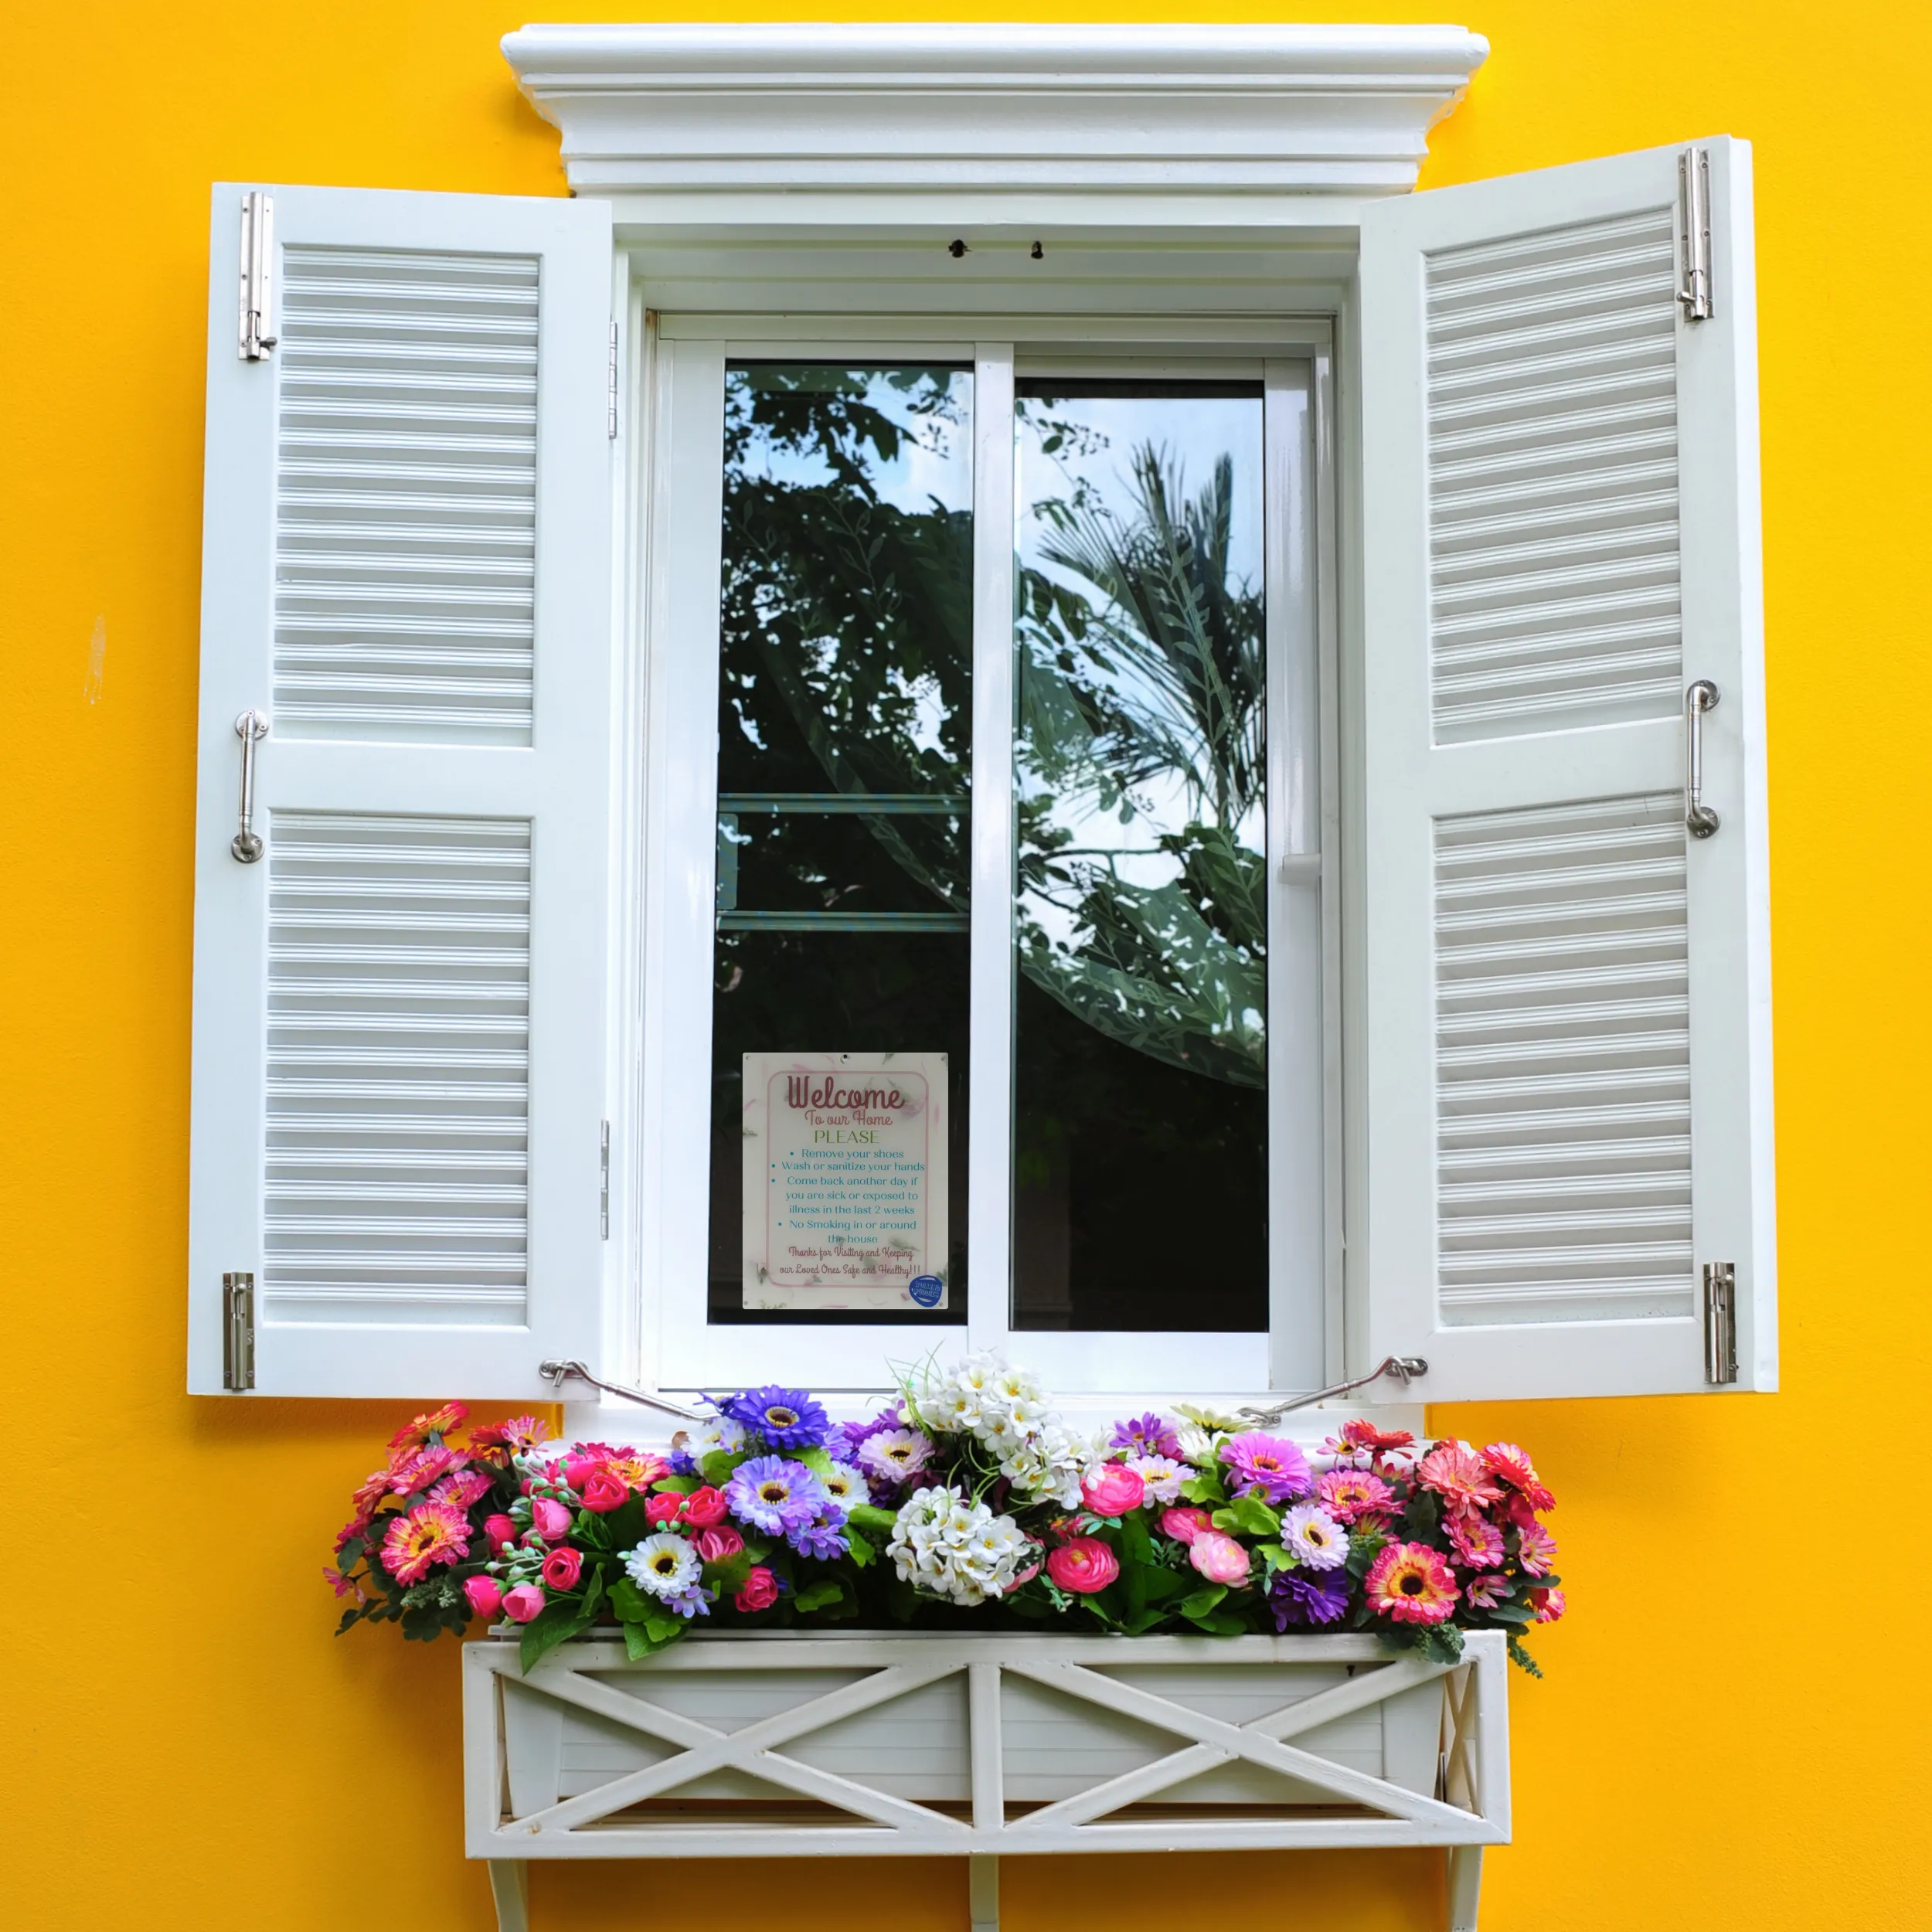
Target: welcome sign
(844,1180)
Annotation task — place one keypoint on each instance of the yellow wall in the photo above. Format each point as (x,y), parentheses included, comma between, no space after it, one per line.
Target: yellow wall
(192,1747)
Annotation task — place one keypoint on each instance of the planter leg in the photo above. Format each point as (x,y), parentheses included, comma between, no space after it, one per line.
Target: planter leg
(510,1886)
(1465,1882)
(982,1893)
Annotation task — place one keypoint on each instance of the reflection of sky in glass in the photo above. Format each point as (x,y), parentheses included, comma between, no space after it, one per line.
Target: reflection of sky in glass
(933,464)
(1192,433)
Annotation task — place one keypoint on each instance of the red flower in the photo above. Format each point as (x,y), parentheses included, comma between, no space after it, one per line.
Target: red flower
(438,1423)
(1549,1604)
(496,1443)
(1505,1460)
(703,1507)
(717,1545)
(562,1568)
(761,1591)
(603,1492)
(501,1533)
(662,1509)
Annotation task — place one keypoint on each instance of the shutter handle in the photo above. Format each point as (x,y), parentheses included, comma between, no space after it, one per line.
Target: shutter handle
(1699,820)
(249,727)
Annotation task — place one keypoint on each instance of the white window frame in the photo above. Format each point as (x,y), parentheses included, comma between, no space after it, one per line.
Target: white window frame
(667,918)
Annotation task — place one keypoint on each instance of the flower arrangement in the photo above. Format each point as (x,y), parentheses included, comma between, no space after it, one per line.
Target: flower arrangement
(966,1494)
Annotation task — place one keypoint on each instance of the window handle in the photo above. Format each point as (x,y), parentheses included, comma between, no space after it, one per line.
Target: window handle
(1699,818)
(249,727)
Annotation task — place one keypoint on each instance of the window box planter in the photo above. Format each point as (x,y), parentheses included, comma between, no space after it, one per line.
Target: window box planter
(870,1744)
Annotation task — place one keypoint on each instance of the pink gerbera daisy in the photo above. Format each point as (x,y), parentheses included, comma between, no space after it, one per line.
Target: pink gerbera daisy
(1478,1543)
(410,1475)
(1550,1604)
(1485,1593)
(496,1443)
(638,1468)
(1505,1460)
(1454,1472)
(427,1535)
(1267,1466)
(1350,1495)
(434,1427)
(1361,1439)
(1411,1583)
(461,1488)
(1535,1549)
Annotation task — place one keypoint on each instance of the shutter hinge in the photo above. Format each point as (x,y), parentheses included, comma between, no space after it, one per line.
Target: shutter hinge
(610,416)
(256,335)
(1694,218)
(237,1332)
(1720,1323)
(604,1184)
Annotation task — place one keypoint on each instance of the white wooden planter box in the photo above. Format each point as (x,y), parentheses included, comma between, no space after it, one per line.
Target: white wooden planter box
(839,1743)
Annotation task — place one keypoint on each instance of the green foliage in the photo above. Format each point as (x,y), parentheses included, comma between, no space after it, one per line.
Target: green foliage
(1248,1516)
(1521,1658)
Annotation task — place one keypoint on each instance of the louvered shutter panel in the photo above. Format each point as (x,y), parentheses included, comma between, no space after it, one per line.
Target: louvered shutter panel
(1568,1002)
(400,1009)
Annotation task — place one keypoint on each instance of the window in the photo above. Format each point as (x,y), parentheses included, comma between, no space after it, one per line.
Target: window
(1181,781)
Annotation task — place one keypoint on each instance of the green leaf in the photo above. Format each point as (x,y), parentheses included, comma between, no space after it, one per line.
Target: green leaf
(627,1525)
(816,1596)
(1201,1602)
(351,1554)
(861,1552)
(1136,1545)
(1521,1658)
(1205,1487)
(728,1577)
(545,1632)
(867,1515)
(719,1466)
(1509,1614)
(628,1602)
(636,1644)
(351,1616)
(675,1485)
(661,1626)
(594,1596)
(1221,1626)
(1156,1585)
(818,1460)
(1248,1516)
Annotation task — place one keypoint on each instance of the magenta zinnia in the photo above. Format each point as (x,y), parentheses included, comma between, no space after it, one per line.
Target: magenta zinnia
(1267,1465)
(430,1534)
(1411,1583)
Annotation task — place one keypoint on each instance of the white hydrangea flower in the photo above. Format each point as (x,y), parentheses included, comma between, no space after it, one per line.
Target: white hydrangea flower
(948,1546)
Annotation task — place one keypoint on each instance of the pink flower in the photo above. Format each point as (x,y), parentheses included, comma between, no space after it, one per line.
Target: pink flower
(1112,1490)
(1454,1470)
(344,1584)
(562,1568)
(603,1492)
(1350,1495)
(426,1536)
(1412,1584)
(438,1423)
(1505,1460)
(523,1602)
(717,1545)
(501,1532)
(369,1494)
(1267,1466)
(761,1591)
(1550,1604)
(1485,1593)
(1218,1557)
(704,1506)
(637,1467)
(1478,1543)
(459,1490)
(1084,1565)
(496,1443)
(410,1475)
(485,1595)
(1359,1441)
(1185,1523)
(1535,1548)
(578,1469)
(659,1510)
(549,1519)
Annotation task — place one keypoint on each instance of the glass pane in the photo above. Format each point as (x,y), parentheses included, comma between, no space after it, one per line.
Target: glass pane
(1141,1107)
(838,1103)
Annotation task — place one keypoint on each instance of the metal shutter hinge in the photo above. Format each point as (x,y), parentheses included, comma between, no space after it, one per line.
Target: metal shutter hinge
(604,1184)
(610,414)
(1720,1323)
(255,332)
(237,1332)
(1694,220)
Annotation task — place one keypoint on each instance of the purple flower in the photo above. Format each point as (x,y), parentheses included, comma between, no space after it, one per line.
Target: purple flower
(1297,1597)
(844,1439)
(1267,1465)
(786,1418)
(823,1536)
(895,1455)
(1147,1436)
(775,1495)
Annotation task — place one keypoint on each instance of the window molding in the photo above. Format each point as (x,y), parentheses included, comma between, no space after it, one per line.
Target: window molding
(1134,120)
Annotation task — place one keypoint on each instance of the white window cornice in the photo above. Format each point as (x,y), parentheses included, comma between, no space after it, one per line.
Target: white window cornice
(1138,116)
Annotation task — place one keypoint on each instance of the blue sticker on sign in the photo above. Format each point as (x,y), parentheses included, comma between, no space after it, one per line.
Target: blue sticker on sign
(926,1289)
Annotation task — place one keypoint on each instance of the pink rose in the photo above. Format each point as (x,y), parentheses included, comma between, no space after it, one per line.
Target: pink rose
(1112,1490)
(485,1594)
(562,1568)
(704,1506)
(603,1492)
(502,1533)
(1185,1523)
(1085,1565)
(578,1470)
(717,1545)
(761,1591)
(523,1602)
(550,1518)
(660,1510)
(1218,1557)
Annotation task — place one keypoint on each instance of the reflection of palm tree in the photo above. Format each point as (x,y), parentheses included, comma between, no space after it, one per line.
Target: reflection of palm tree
(1163,682)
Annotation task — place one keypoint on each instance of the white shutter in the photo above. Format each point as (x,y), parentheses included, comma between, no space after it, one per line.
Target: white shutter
(400,1009)
(1568,998)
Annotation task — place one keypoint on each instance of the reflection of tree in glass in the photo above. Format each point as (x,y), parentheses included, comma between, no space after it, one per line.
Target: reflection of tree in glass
(847,615)
(1147,692)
